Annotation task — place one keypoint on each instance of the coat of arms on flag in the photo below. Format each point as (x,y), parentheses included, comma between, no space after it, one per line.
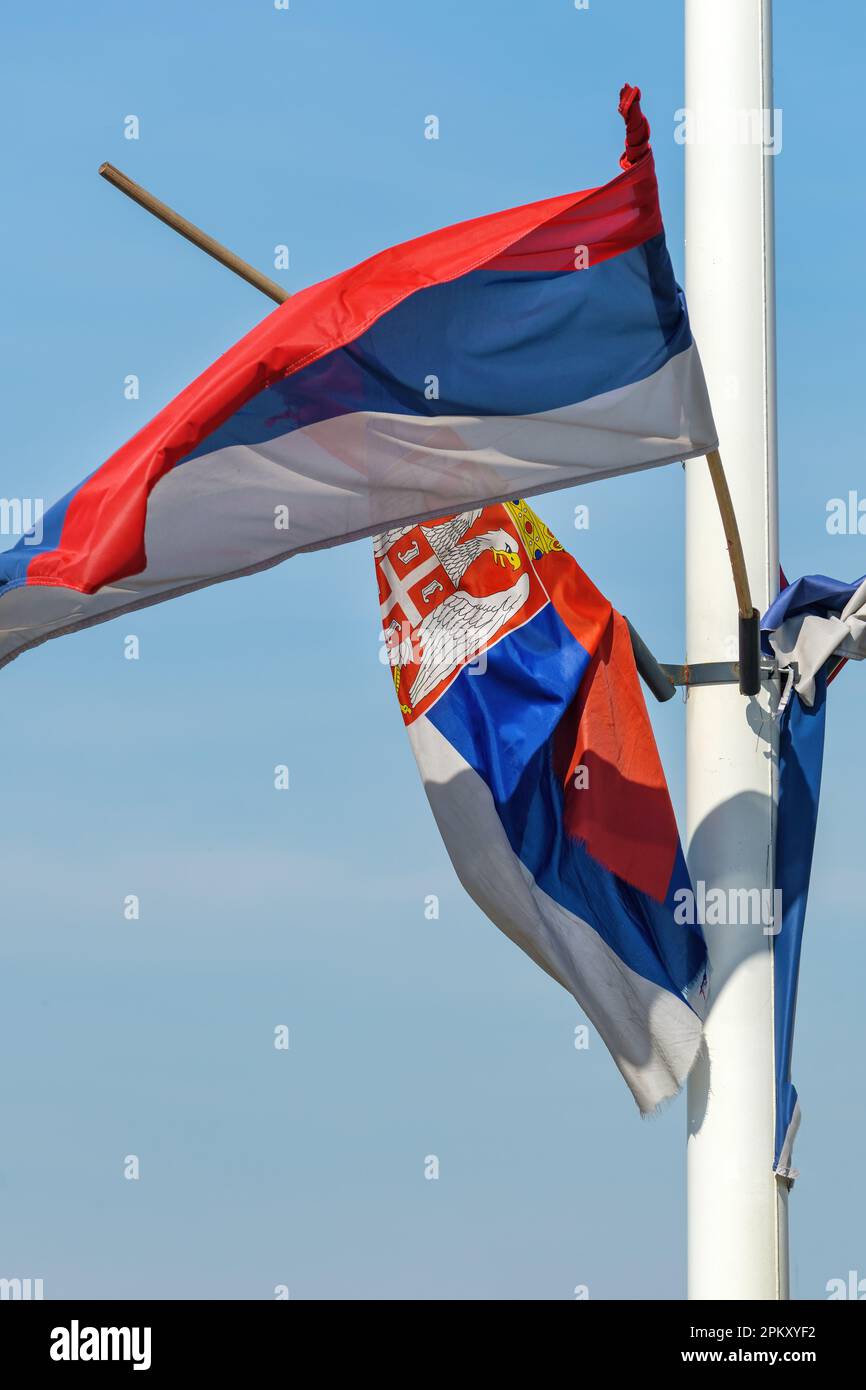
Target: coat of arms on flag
(451,588)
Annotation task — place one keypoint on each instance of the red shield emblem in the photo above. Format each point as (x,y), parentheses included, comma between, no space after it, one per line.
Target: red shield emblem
(449,589)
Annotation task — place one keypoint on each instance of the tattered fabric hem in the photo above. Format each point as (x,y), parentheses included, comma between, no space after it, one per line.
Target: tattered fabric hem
(784,1167)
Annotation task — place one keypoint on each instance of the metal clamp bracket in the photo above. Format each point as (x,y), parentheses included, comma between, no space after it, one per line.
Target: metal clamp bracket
(663,680)
(713,672)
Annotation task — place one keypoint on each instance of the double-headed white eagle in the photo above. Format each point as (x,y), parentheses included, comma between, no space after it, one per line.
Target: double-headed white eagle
(462,625)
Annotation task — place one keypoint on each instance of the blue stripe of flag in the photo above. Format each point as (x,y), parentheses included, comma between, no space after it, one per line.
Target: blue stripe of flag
(496,342)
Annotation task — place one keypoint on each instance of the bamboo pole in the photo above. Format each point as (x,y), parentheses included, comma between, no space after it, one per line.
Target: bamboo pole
(193,233)
(732,533)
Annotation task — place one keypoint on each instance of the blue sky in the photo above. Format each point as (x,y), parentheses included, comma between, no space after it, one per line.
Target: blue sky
(154,777)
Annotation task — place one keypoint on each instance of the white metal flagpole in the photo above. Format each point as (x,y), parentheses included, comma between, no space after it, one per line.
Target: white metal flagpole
(737,1209)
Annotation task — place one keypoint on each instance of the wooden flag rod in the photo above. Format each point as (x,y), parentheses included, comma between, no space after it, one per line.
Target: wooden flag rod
(749,656)
(732,533)
(749,617)
(192,233)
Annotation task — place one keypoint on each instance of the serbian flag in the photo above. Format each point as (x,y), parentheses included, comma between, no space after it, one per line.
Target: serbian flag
(505,356)
(518,687)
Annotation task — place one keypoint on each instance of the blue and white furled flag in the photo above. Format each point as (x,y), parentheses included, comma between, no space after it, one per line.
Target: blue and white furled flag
(815,621)
(813,627)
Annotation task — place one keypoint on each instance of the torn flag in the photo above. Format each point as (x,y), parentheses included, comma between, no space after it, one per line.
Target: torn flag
(813,621)
(518,687)
(813,626)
